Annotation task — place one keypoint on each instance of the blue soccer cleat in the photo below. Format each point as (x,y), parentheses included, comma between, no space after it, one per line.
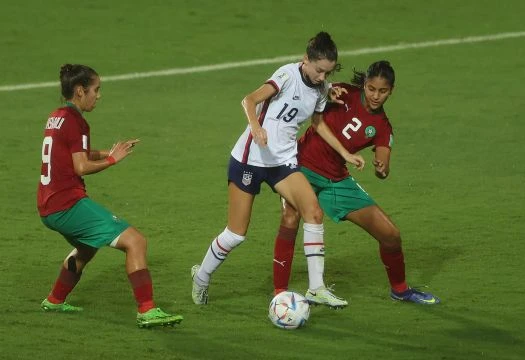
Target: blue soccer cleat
(415,296)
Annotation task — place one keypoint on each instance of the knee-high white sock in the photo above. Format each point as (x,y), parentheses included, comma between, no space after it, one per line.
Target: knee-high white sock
(314,251)
(217,252)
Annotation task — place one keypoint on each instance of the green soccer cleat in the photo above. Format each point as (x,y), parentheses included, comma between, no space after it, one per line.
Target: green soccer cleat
(157,317)
(46,305)
(324,296)
(199,293)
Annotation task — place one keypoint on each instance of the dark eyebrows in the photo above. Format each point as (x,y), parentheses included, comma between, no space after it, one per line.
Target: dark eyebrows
(372,87)
(320,69)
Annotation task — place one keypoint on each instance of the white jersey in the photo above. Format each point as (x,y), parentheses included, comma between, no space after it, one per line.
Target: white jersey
(281,116)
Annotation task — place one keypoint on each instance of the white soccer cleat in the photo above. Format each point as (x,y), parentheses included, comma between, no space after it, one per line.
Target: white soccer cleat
(199,293)
(323,296)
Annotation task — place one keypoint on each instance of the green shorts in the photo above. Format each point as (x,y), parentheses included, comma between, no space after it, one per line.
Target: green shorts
(86,223)
(338,199)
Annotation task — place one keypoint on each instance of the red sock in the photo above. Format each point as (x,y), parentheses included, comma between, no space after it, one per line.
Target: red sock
(282,258)
(395,268)
(142,289)
(64,284)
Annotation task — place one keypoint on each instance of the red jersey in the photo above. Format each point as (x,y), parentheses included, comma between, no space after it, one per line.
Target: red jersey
(353,126)
(66,132)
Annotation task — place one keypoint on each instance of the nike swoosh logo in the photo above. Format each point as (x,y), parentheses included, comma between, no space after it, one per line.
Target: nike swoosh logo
(431,301)
(279,262)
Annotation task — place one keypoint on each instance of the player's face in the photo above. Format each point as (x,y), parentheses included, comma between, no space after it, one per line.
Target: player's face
(90,95)
(318,70)
(377,91)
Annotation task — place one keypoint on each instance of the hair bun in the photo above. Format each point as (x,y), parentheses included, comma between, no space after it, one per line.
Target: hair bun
(66,68)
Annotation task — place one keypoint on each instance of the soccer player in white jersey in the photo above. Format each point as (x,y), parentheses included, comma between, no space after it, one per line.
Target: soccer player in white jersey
(267,152)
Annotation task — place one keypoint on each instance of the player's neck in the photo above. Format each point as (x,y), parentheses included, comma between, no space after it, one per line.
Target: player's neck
(74,106)
(305,78)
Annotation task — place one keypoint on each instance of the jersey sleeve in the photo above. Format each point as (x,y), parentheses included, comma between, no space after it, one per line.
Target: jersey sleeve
(385,136)
(76,139)
(323,98)
(279,79)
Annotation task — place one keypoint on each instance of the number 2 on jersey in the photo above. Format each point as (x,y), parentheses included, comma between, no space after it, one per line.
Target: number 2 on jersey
(46,159)
(353,125)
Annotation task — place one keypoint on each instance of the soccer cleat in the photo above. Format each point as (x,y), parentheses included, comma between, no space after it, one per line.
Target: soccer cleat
(415,296)
(46,305)
(323,296)
(199,293)
(157,317)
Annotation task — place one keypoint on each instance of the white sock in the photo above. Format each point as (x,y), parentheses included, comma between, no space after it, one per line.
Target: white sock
(217,253)
(314,251)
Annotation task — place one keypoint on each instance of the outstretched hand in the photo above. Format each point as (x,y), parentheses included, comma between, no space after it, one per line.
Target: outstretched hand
(121,149)
(335,92)
(133,142)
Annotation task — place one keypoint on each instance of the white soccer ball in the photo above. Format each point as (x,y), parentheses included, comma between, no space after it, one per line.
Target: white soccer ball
(289,310)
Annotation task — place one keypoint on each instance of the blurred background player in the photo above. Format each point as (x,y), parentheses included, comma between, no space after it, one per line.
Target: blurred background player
(64,206)
(266,152)
(359,122)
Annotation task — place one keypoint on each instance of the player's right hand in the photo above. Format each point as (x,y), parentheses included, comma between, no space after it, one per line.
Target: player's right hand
(335,92)
(356,160)
(259,135)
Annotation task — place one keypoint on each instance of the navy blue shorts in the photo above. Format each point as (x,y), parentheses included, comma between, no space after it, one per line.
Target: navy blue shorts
(249,178)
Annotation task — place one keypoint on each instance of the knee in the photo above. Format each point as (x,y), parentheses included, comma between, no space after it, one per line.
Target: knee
(314,214)
(78,259)
(290,218)
(391,240)
(133,241)
(140,242)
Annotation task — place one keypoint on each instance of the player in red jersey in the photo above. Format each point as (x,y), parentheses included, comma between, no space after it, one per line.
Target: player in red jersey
(65,207)
(359,122)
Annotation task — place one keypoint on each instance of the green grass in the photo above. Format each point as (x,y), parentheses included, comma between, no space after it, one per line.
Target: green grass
(456,188)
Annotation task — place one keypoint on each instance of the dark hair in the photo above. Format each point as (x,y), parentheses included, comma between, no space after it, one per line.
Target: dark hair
(321,46)
(72,75)
(381,69)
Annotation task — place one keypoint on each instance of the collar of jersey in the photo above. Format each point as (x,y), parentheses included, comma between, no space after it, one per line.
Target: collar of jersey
(71,105)
(305,80)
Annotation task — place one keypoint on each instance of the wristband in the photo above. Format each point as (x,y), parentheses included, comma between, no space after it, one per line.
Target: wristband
(111,160)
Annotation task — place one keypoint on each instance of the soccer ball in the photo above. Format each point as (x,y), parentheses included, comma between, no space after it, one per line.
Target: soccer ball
(289,310)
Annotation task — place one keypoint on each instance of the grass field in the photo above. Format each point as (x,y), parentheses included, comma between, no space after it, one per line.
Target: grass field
(455,190)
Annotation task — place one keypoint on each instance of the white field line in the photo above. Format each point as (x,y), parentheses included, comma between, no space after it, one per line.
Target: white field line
(276,60)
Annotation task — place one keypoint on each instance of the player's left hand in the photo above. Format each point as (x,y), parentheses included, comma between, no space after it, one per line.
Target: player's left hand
(380,167)
(335,92)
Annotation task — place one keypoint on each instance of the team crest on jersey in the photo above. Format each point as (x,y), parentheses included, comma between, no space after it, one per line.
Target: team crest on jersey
(247,178)
(370,131)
